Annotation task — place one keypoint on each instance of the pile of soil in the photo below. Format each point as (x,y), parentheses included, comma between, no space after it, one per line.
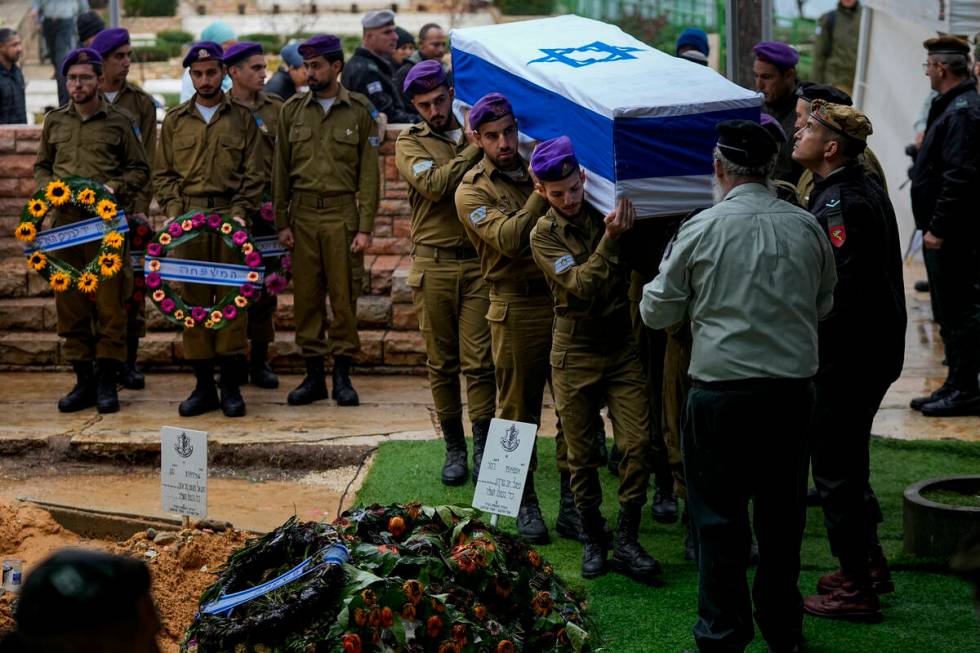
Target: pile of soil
(182,564)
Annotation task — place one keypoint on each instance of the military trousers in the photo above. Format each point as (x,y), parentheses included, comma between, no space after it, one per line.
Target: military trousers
(592,363)
(520,332)
(954,284)
(746,441)
(451,301)
(93,325)
(200,343)
(323,266)
(844,413)
(676,385)
(651,346)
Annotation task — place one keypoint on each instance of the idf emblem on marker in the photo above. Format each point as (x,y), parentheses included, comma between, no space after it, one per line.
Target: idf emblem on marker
(510,440)
(184,448)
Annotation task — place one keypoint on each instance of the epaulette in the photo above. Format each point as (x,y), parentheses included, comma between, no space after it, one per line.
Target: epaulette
(472,173)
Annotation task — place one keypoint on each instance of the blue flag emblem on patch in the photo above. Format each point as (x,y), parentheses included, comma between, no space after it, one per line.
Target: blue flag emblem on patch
(478,215)
(421,167)
(565,262)
(586,55)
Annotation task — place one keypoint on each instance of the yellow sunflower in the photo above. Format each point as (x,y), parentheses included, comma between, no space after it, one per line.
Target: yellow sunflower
(26,231)
(86,197)
(57,192)
(37,261)
(37,208)
(60,282)
(110,264)
(88,282)
(113,239)
(106,209)
(189,322)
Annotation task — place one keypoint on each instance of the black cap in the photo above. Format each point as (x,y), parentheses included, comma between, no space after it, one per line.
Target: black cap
(745,142)
(810,92)
(77,590)
(404,37)
(89,24)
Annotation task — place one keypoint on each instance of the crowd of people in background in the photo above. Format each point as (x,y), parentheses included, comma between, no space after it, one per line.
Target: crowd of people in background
(733,349)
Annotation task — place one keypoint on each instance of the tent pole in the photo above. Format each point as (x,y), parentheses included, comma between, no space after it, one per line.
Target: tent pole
(864,46)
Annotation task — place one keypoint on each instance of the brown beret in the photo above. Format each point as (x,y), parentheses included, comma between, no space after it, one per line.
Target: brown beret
(844,120)
(948,44)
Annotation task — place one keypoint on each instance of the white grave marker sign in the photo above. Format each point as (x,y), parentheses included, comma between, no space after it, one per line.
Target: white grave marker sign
(184,471)
(505,466)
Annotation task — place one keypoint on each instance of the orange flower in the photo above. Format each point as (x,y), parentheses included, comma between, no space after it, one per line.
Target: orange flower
(459,633)
(449,646)
(375,635)
(408,612)
(413,591)
(433,626)
(505,646)
(503,588)
(369,597)
(351,643)
(534,558)
(396,526)
(387,617)
(542,603)
(563,637)
(387,549)
(414,510)
(480,611)
(374,617)
(360,617)
(438,607)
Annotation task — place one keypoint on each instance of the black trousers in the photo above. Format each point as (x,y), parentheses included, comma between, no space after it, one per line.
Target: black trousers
(954,283)
(746,441)
(843,417)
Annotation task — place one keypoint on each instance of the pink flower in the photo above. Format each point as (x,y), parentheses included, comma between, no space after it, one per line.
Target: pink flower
(239,237)
(214,220)
(247,290)
(286,262)
(275,283)
(267,213)
(167,305)
(253,259)
(175,230)
(199,313)
(154,249)
(153,280)
(198,220)
(230,312)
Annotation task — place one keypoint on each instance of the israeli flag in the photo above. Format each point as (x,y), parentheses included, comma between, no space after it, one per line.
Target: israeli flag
(642,121)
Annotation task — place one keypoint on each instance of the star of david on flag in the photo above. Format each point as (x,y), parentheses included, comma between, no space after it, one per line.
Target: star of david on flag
(562,55)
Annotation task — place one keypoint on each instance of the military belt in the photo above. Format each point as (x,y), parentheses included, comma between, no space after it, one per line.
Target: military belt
(531,287)
(448,253)
(614,326)
(318,201)
(206,201)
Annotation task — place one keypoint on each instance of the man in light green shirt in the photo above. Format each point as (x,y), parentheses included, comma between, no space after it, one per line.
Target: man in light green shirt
(753,274)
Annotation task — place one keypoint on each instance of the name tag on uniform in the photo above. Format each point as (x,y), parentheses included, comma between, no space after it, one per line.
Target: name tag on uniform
(374,87)
(421,167)
(562,264)
(478,215)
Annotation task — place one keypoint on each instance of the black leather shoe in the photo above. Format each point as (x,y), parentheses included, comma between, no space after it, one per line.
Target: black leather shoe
(664,506)
(106,399)
(81,396)
(232,403)
(955,404)
(130,376)
(569,522)
(343,391)
(629,557)
(530,523)
(481,428)
(941,392)
(204,398)
(313,386)
(454,470)
(260,373)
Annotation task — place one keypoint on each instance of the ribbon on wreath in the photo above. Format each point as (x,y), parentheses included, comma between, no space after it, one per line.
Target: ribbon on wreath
(77,233)
(270,247)
(215,274)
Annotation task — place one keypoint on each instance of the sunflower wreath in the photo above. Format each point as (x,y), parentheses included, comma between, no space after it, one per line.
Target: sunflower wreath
(93,198)
(277,260)
(243,293)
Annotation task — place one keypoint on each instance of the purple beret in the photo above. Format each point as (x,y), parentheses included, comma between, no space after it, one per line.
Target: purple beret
(204,51)
(320,45)
(242,51)
(554,159)
(423,77)
(491,106)
(109,39)
(81,55)
(774,128)
(777,53)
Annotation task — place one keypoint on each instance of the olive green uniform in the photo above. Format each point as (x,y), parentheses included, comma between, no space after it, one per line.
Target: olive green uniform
(835,48)
(594,357)
(101,147)
(322,160)
(499,212)
(871,166)
(451,299)
(209,167)
(142,111)
(676,385)
(265,113)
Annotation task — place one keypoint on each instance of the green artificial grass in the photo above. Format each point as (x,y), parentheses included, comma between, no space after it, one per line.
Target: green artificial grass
(930,611)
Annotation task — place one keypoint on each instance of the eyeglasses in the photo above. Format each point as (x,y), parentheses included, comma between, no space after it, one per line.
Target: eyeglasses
(79,79)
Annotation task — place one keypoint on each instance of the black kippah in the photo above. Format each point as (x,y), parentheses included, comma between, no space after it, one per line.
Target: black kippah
(745,142)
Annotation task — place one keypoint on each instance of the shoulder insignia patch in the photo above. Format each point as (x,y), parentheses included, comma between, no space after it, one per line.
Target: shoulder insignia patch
(421,167)
(564,263)
(833,204)
(837,235)
(374,141)
(478,215)
(374,87)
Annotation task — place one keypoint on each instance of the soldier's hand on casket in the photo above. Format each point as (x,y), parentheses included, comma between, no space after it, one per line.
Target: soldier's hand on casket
(286,238)
(620,219)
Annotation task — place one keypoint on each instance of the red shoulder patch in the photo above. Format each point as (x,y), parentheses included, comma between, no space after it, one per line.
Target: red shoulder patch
(837,235)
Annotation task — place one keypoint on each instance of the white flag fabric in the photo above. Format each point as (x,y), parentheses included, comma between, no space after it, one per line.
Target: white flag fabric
(642,121)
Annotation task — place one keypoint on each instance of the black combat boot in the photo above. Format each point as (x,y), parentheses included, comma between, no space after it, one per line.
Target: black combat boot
(569,523)
(129,375)
(943,391)
(313,386)
(454,469)
(204,399)
(259,371)
(481,428)
(614,459)
(82,396)
(343,392)
(629,558)
(232,404)
(664,506)
(106,399)
(530,523)
(594,543)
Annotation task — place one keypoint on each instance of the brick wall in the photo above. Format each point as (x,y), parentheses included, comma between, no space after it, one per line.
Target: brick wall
(386,318)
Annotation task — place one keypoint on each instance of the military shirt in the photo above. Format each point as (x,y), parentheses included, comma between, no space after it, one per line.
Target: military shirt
(102,147)
(372,76)
(499,213)
(216,159)
(581,265)
(434,165)
(142,110)
(265,114)
(835,49)
(332,153)
(804,187)
(754,274)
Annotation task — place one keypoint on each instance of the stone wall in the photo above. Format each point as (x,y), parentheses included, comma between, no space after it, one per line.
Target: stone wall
(386,318)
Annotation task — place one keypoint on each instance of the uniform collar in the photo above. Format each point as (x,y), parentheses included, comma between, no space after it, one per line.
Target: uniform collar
(364,52)
(492,169)
(847,172)
(753,188)
(343,96)
(579,223)
(191,104)
(103,108)
(424,129)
